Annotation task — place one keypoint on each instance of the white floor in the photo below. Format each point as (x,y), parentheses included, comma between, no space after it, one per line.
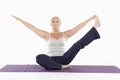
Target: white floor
(57,76)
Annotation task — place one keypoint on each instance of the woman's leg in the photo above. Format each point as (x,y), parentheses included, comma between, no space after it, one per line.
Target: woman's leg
(84,41)
(72,52)
(48,62)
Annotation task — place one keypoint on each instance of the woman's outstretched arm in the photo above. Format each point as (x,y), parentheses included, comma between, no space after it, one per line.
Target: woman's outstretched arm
(71,32)
(41,33)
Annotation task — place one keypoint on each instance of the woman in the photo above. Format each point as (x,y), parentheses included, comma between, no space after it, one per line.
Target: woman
(57,58)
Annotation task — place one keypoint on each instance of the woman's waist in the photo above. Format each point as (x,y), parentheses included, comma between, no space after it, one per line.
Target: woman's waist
(53,50)
(56,52)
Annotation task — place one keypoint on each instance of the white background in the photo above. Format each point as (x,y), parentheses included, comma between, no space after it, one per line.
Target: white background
(19,45)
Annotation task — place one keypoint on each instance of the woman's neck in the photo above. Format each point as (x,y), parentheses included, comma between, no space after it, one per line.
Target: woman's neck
(55,31)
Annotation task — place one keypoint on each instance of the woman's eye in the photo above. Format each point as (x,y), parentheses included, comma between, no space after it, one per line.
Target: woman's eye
(53,21)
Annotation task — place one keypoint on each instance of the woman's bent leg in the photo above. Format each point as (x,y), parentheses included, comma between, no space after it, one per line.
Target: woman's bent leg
(47,62)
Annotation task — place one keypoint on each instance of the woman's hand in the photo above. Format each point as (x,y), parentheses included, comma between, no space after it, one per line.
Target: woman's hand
(93,17)
(16,18)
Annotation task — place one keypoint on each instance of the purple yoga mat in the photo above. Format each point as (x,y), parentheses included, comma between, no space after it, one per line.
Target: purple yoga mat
(75,69)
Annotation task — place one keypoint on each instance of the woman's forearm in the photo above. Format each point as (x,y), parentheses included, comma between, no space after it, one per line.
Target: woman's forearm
(82,24)
(39,32)
(71,32)
(30,26)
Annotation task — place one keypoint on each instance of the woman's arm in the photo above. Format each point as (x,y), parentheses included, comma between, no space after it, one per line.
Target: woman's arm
(71,32)
(41,33)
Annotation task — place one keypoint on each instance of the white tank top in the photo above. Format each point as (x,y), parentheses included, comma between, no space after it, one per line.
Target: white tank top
(56,47)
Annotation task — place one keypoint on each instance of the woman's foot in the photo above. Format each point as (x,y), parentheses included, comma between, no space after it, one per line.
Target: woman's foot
(97,22)
(66,66)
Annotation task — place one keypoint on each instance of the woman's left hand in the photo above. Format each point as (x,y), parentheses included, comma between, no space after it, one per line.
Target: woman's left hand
(93,17)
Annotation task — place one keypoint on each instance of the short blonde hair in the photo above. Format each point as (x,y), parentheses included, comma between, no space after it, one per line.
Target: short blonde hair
(55,17)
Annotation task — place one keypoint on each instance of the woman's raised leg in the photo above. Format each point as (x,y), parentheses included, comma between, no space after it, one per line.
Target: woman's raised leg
(80,44)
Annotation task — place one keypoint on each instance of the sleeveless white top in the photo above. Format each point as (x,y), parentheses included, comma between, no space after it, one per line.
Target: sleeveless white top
(56,47)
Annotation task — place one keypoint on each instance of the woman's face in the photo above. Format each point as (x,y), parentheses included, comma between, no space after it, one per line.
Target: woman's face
(55,22)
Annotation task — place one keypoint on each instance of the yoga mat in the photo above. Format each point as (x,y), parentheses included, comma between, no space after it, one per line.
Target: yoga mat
(75,69)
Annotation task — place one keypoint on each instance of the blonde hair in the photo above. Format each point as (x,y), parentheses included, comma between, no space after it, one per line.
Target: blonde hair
(55,17)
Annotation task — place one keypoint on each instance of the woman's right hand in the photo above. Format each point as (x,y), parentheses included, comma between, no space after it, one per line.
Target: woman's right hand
(16,18)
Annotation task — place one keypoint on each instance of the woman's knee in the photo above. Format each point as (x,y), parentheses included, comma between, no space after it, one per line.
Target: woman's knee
(40,57)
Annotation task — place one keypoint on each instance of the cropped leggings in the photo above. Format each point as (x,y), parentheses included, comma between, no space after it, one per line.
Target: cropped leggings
(56,62)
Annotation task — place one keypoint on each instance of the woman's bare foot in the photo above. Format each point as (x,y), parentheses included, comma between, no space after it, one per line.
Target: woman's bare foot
(66,66)
(97,22)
